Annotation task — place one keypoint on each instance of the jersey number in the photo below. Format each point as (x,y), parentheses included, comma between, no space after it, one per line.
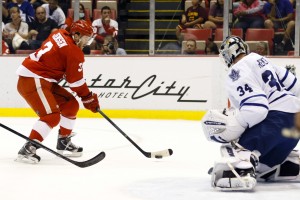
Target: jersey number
(244,89)
(37,55)
(269,78)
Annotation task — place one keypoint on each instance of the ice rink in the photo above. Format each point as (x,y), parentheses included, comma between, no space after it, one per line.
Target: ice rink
(125,174)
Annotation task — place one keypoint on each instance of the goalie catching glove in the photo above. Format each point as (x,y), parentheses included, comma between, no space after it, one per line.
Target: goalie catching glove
(91,102)
(222,127)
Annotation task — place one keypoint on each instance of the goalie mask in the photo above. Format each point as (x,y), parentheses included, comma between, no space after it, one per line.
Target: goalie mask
(231,48)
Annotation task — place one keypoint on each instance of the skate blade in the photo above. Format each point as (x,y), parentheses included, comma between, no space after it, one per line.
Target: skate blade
(69,154)
(27,160)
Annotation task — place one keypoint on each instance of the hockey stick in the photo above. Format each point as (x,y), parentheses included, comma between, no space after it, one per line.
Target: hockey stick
(156,154)
(82,164)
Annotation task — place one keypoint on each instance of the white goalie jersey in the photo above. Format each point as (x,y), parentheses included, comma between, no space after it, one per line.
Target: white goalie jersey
(255,86)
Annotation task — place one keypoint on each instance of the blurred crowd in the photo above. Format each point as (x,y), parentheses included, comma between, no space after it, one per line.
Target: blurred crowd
(247,14)
(26,24)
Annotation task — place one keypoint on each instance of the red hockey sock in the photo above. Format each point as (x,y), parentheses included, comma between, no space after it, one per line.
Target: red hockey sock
(64,132)
(34,135)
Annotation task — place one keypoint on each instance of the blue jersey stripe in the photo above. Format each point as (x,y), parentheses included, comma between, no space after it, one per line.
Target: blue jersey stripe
(285,76)
(255,104)
(258,95)
(291,86)
(278,98)
(281,82)
(271,94)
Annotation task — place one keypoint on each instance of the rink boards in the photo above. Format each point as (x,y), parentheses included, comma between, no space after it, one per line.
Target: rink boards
(139,87)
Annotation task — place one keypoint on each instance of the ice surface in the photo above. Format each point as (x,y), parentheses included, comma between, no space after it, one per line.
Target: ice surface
(125,174)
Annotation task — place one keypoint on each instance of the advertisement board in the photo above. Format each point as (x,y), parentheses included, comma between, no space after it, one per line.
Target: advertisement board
(187,84)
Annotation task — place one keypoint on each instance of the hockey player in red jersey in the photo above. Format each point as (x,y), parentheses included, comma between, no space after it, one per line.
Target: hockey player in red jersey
(59,57)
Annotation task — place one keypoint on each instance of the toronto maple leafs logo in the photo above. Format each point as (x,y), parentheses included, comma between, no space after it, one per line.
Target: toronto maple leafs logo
(234,75)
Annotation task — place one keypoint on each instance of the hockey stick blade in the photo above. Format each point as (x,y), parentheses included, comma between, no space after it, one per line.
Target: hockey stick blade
(161,154)
(81,164)
(157,154)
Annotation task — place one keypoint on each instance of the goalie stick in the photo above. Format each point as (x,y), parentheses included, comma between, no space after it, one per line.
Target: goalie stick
(156,154)
(81,164)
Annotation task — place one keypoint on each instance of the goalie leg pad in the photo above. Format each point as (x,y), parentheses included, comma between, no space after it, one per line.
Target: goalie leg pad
(234,171)
(289,170)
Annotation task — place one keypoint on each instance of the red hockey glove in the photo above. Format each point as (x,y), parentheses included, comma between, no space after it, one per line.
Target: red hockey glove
(91,102)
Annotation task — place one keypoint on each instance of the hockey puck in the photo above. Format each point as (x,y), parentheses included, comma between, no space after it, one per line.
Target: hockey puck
(158,156)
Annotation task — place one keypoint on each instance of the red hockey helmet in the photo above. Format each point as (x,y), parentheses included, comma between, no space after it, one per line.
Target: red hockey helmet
(82,27)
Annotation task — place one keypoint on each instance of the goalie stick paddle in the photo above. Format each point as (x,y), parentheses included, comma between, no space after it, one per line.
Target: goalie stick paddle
(156,154)
(81,164)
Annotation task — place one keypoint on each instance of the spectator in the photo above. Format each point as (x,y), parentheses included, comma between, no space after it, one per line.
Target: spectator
(190,47)
(34,3)
(5,48)
(37,3)
(82,15)
(111,47)
(235,4)
(105,25)
(54,12)
(41,28)
(65,5)
(26,10)
(293,2)
(194,17)
(249,14)
(16,32)
(82,42)
(172,47)
(262,48)
(280,15)
(211,48)
(215,16)
(5,15)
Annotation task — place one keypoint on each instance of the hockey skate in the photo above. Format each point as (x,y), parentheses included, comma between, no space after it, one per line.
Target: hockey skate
(67,148)
(27,154)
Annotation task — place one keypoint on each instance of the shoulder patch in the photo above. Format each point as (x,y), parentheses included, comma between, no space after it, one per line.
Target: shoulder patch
(234,75)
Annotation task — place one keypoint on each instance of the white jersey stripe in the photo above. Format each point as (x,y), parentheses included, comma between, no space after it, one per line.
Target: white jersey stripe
(23,71)
(77,83)
(42,95)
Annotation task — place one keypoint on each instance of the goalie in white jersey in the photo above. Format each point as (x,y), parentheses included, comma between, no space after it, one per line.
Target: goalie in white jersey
(265,99)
